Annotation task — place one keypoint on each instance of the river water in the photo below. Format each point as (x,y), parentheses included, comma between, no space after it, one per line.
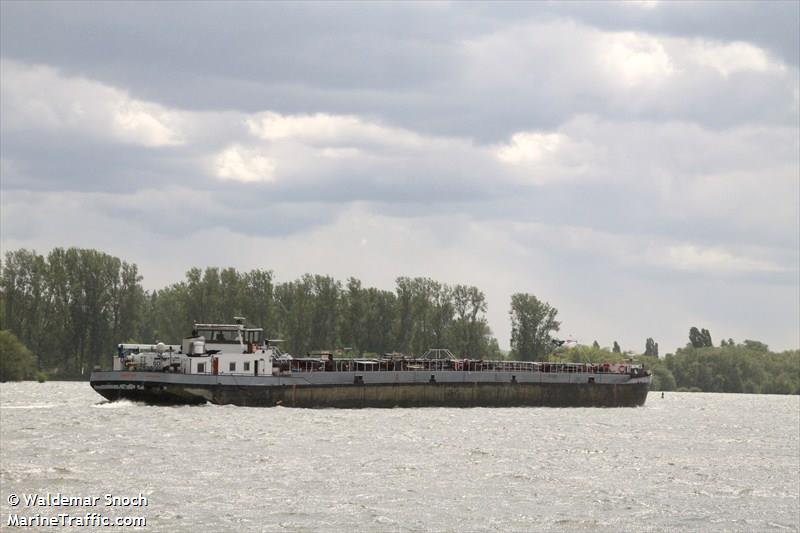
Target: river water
(698,462)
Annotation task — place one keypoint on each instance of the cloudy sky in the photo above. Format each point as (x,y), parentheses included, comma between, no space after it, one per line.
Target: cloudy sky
(637,165)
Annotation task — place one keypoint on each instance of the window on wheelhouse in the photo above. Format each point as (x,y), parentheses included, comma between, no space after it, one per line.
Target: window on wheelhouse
(220,335)
(254,336)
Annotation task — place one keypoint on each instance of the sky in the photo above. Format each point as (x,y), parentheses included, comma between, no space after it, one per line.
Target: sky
(636,165)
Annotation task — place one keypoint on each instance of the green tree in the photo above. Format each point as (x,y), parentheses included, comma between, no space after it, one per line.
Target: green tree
(379,316)
(71,306)
(424,314)
(404,322)
(424,291)
(663,378)
(470,330)
(532,321)
(258,299)
(616,348)
(736,368)
(706,338)
(651,347)
(17,362)
(696,338)
(587,354)
(295,300)
(326,292)
(353,316)
(755,346)
(700,338)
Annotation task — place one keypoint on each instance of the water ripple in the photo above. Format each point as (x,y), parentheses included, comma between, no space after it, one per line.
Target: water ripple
(697,462)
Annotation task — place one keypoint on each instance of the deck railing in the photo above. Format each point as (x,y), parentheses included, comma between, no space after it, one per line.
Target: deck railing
(301,365)
(458,365)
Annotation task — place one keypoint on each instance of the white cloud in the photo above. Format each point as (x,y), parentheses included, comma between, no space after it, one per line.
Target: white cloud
(713,260)
(245,165)
(727,58)
(683,170)
(324,148)
(39,97)
(557,68)
(742,178)
(341,153)
(132,122)
(530,147)
(633,59)
(541,158)
(324,128)
(644,4)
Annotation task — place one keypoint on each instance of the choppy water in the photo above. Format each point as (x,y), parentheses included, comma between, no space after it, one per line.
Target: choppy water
(703,462)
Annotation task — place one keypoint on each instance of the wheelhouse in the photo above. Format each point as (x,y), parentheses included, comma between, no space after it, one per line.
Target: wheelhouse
(229,334)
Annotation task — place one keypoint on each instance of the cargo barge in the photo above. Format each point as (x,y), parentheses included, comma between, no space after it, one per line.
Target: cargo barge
(234,364)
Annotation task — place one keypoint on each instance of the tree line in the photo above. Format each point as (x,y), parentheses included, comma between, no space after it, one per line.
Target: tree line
(746,367)
(72,306)
(69,308)
(318,312)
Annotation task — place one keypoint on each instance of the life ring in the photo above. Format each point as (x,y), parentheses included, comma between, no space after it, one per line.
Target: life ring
(622,369)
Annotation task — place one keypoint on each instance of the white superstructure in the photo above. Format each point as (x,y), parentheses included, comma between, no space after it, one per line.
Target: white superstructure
(216,349)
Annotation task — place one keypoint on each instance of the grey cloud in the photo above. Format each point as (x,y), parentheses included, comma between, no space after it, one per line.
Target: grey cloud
(46,161)
(773,25)
(400,62)
(182,218)
(624,211)
(328,45)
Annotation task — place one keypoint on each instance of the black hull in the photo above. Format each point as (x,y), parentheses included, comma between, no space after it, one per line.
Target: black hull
(385,395)
(153,395)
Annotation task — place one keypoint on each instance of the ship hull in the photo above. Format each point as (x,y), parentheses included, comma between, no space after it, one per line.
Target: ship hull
(442,389)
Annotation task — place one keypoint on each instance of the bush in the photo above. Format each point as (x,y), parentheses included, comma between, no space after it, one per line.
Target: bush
(739,368)
(17,362)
